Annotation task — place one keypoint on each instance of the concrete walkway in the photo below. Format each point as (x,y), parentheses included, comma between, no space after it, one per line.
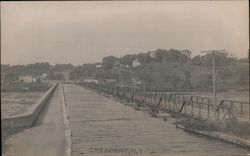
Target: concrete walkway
(47,138)
(104,127)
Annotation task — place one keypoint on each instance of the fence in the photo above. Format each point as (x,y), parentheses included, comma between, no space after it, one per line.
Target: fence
(179,103)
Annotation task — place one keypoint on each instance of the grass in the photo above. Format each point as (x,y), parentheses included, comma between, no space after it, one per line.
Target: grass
(230,126)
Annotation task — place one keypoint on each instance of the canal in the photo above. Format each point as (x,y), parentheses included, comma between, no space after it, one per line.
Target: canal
(101,126)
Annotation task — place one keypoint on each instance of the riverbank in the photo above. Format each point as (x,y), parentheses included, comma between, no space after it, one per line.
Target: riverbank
(219,135)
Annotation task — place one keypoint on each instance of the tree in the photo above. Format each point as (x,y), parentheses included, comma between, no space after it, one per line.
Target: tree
(144,57)
(37,68)
(184,56)
(197,60)
(201,78)
(107,62)
(221,59)
(63,67)
(127,59)
(159,54)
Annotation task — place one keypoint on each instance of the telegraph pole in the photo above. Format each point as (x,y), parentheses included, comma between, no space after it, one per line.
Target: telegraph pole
(213,62)
(214,83)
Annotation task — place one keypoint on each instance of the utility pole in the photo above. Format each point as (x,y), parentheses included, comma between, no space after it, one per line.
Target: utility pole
(214,77)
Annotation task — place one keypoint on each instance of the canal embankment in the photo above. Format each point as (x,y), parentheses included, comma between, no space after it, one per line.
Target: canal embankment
(46,137)
(29,117)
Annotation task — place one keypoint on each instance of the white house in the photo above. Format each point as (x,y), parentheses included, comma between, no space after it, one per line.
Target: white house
(136,63)
(136,81)
(98,66)
(90,81)
(26,78)
(43,77)
(111,80)
(152,54)
(124,66)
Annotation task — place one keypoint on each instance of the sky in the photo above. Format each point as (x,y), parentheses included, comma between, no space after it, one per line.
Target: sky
(84,32)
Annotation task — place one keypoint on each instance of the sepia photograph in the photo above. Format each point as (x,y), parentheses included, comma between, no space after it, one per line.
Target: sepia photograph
(125,78)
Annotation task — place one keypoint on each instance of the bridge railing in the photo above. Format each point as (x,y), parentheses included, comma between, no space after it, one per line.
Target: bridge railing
(180,103)
(240,109)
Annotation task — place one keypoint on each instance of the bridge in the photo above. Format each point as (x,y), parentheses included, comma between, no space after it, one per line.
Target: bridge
(178,103)
(79,121)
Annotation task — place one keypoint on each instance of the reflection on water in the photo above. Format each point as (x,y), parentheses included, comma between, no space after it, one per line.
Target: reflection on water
(101,126)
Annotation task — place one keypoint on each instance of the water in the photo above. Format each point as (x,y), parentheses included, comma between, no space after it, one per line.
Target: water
(101,126)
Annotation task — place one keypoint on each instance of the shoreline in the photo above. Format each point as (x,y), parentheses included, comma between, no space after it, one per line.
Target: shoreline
(220,136)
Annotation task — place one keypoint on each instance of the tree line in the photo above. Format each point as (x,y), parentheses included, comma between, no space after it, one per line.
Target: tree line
(12,72)
(171,70)
(168,69)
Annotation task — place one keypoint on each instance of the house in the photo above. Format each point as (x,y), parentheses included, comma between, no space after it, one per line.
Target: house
(90,80)
(43,77)
(136,81)
(124,66)
(111,80)
(98,65)
(26,79)
(152,54)
(34,79)
(136,63)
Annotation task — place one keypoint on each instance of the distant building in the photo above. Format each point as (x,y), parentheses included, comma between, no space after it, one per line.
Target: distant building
(98,66)
(26,78)
(136,63)
(90,80)
(110,80)
(124,66)
(44,76)
(34,79)
(136,81)
(152,54)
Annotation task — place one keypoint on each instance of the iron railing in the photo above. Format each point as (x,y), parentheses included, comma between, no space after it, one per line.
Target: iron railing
(179,103)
